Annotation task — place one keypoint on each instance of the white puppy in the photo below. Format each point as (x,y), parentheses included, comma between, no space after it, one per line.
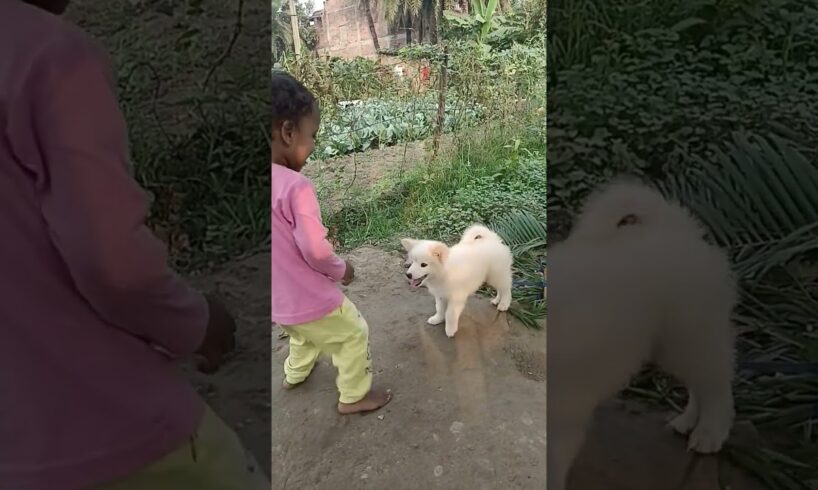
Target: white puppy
(453,274)
(636,283)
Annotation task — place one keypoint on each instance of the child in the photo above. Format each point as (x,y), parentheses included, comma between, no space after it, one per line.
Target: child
(91,316)
(305,300)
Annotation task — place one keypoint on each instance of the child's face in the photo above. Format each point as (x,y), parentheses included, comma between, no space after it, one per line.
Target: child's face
(298,140)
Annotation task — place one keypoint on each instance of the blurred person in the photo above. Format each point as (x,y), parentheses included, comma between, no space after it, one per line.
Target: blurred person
(92,319)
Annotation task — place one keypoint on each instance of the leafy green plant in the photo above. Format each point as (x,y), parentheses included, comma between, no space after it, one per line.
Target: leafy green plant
(484,13)
(518,186)
(757,198)
(495,169)
(335,80)
(615,115)
(479,23)
(526,235)
(579,28)
(196,118)
(497,79)
(375,123)
(523,23)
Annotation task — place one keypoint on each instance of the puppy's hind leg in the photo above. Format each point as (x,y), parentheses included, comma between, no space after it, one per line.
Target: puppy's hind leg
(708,377)
(501,281)
(685,422)
(716,412)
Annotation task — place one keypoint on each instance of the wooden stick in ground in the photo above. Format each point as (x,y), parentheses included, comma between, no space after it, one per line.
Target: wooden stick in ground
(441,103)
(296,33)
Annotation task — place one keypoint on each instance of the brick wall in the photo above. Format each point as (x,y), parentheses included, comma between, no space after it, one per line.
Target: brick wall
(343,30)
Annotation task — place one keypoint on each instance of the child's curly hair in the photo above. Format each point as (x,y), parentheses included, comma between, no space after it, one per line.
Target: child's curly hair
(291,99)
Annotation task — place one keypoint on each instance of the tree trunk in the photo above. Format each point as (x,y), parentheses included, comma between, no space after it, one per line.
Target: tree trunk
(441,102)
(407,22)
(296,34)
(434,22)
(420,27)
(371,22)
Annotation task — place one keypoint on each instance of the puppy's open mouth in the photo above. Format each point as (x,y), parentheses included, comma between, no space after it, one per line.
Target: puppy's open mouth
(416,283)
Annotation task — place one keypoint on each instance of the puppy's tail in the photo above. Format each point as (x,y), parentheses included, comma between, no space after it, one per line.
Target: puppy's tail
(624,203)
(476,233)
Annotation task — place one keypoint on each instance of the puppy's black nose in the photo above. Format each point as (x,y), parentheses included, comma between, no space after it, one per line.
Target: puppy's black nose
(409,275)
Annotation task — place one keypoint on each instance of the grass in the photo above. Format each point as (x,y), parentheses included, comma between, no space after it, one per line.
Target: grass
(614,115)
(197,107)
(580,27)
(486,174)
(491,172)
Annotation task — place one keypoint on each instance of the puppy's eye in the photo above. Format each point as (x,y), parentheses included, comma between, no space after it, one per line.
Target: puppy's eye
(423,265)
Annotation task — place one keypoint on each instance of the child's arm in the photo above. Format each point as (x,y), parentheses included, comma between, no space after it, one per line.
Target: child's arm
(93,208)
(311,235)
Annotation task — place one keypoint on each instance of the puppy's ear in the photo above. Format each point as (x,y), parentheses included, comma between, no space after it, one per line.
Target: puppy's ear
(440,251)
(408,244)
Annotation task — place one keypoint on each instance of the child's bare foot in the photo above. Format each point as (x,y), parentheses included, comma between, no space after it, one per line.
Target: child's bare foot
(289,386)
(372,401)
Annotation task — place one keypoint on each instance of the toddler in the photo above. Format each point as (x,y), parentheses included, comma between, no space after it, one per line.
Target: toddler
(306,301)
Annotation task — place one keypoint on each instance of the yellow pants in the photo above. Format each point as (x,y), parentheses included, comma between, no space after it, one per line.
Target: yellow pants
(344,334)
(213,459)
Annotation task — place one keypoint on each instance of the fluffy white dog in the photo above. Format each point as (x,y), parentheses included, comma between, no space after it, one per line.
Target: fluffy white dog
(636,283)
(453,274)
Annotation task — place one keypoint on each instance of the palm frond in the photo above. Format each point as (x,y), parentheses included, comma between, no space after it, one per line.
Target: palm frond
(757,199)
(521,230)
(525,234)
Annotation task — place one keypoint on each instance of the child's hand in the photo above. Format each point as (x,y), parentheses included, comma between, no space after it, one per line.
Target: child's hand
(349,275)
(219,337)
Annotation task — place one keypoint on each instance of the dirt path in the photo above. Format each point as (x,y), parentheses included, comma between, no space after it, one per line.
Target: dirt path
(629,448)
(240,391)
(468,413)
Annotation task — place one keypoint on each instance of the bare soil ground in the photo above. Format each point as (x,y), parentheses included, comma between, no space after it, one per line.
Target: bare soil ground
(630,448)
(240,391)
(468,412)
(370,166)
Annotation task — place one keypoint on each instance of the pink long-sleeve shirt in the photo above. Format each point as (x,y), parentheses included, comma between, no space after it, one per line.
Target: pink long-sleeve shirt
(305,268)
(85,289)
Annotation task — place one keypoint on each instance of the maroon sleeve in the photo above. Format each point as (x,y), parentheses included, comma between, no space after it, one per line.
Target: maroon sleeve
(94,209)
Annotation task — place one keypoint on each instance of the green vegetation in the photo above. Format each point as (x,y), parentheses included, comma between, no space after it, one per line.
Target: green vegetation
(715,102)
(487,175)
(492,175)
(494,169)
(197,108)
(374,123)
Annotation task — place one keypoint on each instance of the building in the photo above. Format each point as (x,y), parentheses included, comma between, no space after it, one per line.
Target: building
(343,29)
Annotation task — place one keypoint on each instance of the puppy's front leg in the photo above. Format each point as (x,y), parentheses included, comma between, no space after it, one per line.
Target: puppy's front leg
(453,311)
(440,312)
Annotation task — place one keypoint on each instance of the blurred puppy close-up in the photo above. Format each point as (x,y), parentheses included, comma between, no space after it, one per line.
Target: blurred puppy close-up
(635,283)
(453,274)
